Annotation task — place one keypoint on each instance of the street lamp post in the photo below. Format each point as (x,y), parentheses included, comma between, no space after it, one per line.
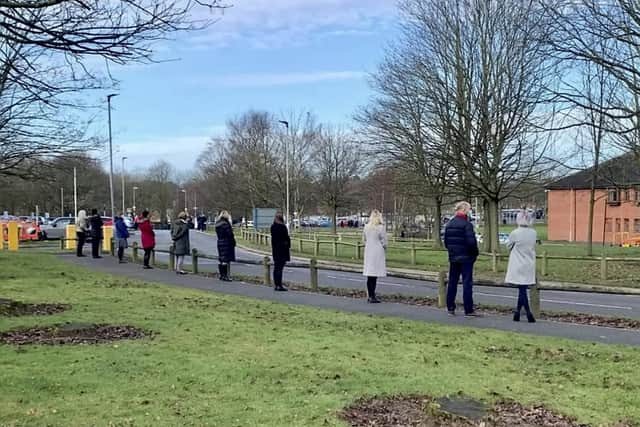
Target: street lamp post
(134,199)
(113,214)
(123,191)
(286,166)
(186,208)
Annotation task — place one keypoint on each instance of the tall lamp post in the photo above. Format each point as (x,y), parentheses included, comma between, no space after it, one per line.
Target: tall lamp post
(186,208)
(134,199)
(286,166)
(113,208)
(123,191)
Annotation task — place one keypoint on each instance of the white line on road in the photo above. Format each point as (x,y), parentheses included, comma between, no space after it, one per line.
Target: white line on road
(552,301)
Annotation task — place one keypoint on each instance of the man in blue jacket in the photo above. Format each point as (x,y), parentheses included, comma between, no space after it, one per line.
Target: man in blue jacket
(460,241)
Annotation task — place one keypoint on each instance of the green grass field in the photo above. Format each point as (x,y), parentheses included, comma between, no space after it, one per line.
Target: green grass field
(575,271)
(227,361)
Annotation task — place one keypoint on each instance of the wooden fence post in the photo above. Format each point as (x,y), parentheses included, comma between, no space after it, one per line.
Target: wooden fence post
(535,299)
(267,271)
(413,253)
(545,264)
(172,258)
(442,289)
(134,250)
(335,249)
(316,245)
(153,257)
(62,244)
(494,262)
(603,267)
(194,260)
(313,270)
(300,248)
(113,246)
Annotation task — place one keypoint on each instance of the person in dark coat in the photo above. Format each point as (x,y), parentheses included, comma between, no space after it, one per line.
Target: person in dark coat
(147,237)
(280,245)
(226,245)
(122,234)
(460,241)
(96,224)
(180,237)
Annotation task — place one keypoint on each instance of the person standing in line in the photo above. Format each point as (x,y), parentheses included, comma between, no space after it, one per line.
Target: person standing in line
(82,227)
(375,246)
(280,250)
(122,234)
(460,241)
(147,237)
(180,237)
(96,233)
(521,271)
(226,245)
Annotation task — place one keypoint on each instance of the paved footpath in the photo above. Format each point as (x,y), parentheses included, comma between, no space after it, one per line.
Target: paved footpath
(110,265)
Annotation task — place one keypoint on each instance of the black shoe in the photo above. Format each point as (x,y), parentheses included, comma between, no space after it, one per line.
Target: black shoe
(81,256)
(473,314)
(226,279)
(122,261)
(373,300)
(147,267)
(280,289)
(530,318)
(451,312)
(516,316)
(97,257)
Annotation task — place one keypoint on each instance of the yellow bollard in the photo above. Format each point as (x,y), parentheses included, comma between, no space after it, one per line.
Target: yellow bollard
(13,236)
(107,236)
(70,242)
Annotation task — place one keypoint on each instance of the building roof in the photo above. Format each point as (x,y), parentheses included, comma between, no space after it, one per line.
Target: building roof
(621,171)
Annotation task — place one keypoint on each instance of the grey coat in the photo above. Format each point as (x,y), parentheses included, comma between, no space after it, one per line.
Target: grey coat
(375,244)
(180,237)
(522,259)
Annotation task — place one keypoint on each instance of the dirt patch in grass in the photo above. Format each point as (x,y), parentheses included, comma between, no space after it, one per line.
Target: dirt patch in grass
(10,308)
(424,411)
(72,333)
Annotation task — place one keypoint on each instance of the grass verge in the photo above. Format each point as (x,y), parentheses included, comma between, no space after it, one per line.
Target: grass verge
(227,361)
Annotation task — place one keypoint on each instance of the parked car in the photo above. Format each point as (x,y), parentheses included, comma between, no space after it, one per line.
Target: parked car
(56,229)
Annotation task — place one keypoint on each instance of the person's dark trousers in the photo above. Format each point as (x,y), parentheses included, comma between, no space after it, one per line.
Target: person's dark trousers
(371,286)
(523,302)
(457,269)
(95,247)
(81,239)
(278,267)
(147,256)
(120,253)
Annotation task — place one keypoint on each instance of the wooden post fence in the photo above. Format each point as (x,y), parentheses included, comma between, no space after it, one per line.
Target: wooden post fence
(313,271)
(267,271)
(172,258)
(545,264)
(194,260)
(134,250)
(442,289)
(535,300)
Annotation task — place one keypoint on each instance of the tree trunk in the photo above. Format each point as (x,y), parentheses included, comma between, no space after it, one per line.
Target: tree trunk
(592,203)
(493,221)
(437,243)
(334,219)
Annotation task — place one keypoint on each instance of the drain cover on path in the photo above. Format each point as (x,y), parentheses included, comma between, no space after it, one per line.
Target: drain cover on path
(461,407)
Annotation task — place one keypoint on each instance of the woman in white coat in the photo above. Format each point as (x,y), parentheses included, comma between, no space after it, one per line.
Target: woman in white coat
(521,271)
(375,245)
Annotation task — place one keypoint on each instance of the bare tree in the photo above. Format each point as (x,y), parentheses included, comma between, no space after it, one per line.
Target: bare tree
(159,190)
(403,129)
(490,70)
(338,162)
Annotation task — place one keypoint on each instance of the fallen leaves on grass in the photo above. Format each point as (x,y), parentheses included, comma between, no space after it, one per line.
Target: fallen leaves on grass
(12,308)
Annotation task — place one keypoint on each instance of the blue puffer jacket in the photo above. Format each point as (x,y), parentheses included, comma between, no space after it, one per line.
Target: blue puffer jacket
(460,240)
(121,229)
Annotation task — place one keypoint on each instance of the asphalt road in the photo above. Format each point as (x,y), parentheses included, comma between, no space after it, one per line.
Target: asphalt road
(560,301)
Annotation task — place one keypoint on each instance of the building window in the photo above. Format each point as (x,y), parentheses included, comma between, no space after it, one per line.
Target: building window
(626,225)
(617,225)
(614,197)
(626,195)
(637,195)
(636,225)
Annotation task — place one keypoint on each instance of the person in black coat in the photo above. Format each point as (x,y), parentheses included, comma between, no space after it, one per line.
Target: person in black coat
(460,241)
(96,224)
(280,245)
(226,245)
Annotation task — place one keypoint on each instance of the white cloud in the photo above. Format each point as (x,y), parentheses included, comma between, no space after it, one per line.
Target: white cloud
(277,79)
(269,24)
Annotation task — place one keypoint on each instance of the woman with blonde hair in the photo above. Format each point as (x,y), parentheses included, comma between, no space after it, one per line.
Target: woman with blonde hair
(82,227)
(375,245)
(521,271)
(226,245)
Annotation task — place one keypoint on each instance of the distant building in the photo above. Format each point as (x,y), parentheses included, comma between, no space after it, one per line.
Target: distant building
(617,203)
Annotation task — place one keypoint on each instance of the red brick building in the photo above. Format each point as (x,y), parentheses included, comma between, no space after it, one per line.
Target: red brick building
(617,208)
